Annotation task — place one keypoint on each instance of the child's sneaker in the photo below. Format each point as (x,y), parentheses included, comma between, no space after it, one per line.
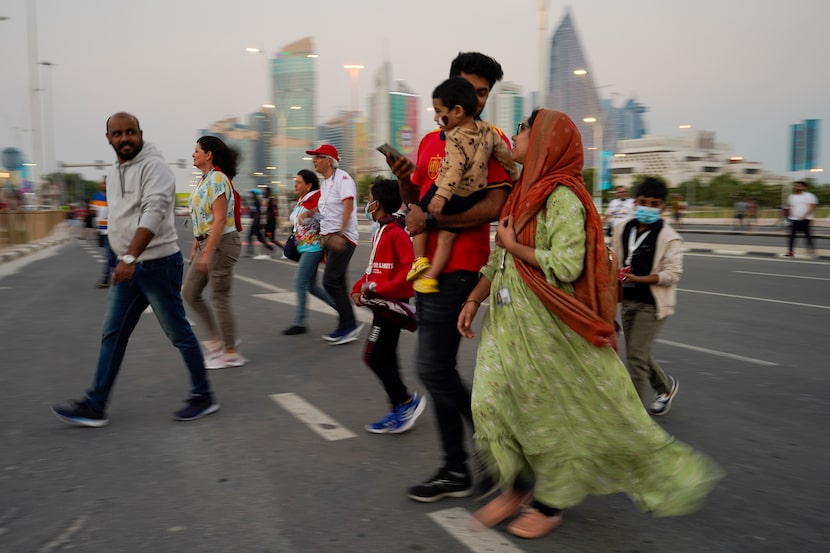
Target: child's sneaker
(426,285)
(420,265)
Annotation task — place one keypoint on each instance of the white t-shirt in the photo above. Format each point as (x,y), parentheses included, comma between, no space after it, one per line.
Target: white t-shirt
(333,192)
(620,209)
(799,203)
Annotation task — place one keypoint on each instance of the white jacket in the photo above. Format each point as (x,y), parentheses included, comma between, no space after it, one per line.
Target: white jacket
(667,265)
(141,193)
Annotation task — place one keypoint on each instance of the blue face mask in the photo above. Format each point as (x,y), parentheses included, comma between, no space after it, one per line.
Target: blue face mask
(647,215)
(369,213)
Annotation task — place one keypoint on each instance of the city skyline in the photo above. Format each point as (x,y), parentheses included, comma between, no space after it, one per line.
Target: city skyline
(721,74)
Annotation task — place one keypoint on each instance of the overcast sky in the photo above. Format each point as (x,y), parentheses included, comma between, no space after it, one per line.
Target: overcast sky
(744,69)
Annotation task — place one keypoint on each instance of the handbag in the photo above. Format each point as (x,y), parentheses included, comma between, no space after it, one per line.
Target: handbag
(290,250)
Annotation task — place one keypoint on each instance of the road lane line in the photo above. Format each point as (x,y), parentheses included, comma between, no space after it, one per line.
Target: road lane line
(779,275)
(755,299)
(718,353)
(314,304)
(64,537)
(315,419)
(455,522)
(265,285)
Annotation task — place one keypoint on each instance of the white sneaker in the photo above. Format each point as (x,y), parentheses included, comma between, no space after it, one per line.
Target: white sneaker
(225,361)
(662,402)
(262,256)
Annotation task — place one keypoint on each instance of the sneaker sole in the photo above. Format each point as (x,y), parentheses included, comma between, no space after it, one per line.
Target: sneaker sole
(210,410)
(439,497)
(79,421)
(668,403)
(411,422)
(344,340)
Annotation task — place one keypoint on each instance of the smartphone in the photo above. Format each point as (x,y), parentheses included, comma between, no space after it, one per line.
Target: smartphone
(386,148)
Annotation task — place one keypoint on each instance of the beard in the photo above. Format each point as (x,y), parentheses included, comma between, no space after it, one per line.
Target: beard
(129,154)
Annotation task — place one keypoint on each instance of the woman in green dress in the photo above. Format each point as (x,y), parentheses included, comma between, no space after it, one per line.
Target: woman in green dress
(555,413)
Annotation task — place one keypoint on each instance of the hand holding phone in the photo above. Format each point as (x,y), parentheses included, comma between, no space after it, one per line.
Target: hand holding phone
(387,150)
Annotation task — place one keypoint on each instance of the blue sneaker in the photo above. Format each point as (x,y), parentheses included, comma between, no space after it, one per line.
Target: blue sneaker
(343,336)
(401,418)
(80,413)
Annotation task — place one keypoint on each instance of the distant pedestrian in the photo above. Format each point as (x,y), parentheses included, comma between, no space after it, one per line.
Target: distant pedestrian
(741,209)
(255,231)
(215,251)
(338,227)
(385,276)
(99,201)
(141,192)
(651,257)
(271,217)
(619,209)
(307,238)
(801,210)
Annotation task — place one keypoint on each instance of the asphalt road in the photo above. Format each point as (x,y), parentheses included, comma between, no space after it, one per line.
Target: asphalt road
(749,345)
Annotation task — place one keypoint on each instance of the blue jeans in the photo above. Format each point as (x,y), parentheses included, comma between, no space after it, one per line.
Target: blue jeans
(111,261)
(334,281)
(305,280)
(438,341)
(157,283)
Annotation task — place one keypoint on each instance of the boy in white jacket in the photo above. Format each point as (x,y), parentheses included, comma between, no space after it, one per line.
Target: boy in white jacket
(651,260)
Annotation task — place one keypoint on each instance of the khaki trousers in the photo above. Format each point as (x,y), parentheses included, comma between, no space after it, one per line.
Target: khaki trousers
(641,326)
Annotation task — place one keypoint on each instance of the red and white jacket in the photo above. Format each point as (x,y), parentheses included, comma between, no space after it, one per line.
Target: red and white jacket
(389,262)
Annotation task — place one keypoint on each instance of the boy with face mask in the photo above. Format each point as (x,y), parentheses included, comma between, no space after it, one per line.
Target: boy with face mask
(651,260)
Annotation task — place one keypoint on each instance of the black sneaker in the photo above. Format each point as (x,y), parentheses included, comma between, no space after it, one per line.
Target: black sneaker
(294,330)
(79,413)
(445,483)
(197,407)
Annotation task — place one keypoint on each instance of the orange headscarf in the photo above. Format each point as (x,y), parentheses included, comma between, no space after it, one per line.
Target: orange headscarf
(555,157)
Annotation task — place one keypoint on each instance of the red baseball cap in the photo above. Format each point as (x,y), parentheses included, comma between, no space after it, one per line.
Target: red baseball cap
(325,150)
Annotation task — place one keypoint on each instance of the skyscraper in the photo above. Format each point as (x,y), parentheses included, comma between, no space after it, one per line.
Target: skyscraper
(294,92)
(505,107)
(576,94)
(393,116)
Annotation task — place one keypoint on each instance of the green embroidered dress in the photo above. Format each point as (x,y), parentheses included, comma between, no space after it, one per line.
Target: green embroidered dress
(548,403)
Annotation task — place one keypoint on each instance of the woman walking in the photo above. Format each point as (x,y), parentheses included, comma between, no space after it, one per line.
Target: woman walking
(307,237)
(215,251)
(555,413)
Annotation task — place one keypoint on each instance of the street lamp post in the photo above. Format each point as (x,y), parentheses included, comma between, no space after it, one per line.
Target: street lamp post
(597,161)
(49,131)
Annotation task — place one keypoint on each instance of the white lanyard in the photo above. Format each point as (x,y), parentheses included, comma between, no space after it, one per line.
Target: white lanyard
(375,242)
(634,244)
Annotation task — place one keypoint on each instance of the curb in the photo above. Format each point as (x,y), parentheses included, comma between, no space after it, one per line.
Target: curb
(58,236)
(746,253)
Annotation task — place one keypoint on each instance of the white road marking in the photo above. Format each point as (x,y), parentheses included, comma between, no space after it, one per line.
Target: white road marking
(64,537)
(755,299)
(718,353)
(315,419)
(779,275)
(782,259)
(363,315)
(455,522)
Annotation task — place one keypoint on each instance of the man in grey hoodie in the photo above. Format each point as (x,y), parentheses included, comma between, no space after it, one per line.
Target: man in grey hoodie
(141,191)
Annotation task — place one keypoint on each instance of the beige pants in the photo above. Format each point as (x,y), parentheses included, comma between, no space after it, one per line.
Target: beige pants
(641,326)
(220,277)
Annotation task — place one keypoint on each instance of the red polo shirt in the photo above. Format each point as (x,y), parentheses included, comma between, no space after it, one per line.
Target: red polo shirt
(472,246)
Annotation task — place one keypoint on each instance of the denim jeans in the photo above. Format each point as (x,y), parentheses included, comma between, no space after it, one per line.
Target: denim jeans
(334,281)
(438,341)
(305,281)
(111,259)
(157,283)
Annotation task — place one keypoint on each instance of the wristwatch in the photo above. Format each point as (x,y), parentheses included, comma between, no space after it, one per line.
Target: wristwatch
(128,259)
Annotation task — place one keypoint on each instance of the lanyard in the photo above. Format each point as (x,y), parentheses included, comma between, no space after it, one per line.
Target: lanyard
(375,242)
(634,244)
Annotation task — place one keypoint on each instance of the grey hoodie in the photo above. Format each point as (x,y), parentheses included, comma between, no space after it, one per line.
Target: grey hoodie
(141,193)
